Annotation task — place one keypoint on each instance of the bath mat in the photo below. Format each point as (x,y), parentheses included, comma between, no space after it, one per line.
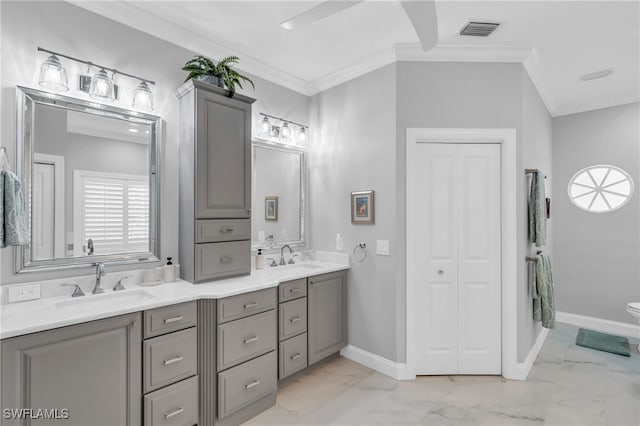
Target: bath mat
(603,342)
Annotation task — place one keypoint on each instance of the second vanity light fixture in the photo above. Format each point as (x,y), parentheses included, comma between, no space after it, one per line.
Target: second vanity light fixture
(279,129)
(99,86)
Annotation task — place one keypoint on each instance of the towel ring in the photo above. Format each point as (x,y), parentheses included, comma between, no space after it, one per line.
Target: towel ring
(362,247)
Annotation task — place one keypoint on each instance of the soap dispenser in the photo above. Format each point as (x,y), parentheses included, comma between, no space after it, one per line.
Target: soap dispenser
(259,260)
(169,271)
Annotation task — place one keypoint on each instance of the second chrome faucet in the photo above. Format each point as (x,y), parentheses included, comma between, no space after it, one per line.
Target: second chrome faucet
(99,274)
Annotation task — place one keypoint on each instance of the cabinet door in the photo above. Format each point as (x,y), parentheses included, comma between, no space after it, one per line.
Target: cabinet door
(90,370)
(223,157)
(327,328)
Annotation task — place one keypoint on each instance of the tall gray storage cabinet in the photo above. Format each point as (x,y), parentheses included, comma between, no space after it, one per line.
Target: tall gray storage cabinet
(215,183)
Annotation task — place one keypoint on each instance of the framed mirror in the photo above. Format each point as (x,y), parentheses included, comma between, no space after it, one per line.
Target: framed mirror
(277,196)
(90,177)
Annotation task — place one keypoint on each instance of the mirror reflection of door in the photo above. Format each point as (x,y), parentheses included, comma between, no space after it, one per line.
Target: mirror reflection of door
(47,239)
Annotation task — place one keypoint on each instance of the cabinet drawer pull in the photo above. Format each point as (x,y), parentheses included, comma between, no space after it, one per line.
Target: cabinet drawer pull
(226,230)
(294,290)
(250,305)
(252,384)
(173,360)
(173,319)
(251,340)
(226,259)
(174,413)
(295,319)
(295,356)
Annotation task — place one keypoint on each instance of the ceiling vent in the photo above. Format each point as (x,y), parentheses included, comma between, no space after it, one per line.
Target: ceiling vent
(479,29)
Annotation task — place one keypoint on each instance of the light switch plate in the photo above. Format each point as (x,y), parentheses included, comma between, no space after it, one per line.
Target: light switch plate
(382,247)
(21,293)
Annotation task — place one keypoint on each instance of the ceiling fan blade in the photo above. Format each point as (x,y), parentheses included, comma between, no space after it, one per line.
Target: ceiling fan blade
(318,12)
(422,14)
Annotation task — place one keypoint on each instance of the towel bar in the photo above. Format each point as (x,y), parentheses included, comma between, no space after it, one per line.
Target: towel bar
(529,171)
(531,259)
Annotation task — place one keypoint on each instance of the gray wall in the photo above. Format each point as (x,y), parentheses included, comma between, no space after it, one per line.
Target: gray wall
(62,27)
(536,154)
(359,143)
(597,254)
(353,149)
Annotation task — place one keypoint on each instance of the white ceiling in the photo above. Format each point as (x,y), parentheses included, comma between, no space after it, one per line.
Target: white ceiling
(557,41)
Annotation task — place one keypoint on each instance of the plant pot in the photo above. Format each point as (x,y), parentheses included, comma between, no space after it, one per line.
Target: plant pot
(212,79)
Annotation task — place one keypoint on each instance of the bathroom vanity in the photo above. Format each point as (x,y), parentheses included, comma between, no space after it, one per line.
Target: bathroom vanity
(183,355)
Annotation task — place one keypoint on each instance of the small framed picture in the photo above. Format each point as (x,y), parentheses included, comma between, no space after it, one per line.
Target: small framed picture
(362,208)
(271,208)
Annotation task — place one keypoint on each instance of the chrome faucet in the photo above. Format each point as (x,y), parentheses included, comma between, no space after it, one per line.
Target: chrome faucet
(282,262)
(99,273)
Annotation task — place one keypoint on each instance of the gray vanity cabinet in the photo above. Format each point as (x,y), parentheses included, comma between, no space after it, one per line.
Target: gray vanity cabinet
(93,370)
(215,182)
(327,313)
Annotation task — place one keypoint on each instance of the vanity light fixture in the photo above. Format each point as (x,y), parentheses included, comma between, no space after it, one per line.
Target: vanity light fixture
(99,86)
(53,75)
(287,132)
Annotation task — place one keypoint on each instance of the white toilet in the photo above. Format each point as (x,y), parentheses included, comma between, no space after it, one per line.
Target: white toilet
(634,310)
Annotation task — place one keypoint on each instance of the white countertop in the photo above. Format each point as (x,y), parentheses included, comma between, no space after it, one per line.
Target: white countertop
(53,312)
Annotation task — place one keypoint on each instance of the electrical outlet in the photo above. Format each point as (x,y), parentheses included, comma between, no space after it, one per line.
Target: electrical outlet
(24,292)
(382,247)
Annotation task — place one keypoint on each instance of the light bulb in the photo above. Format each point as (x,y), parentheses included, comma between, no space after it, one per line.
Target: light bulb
(143,97)
(302,136)
(53,75)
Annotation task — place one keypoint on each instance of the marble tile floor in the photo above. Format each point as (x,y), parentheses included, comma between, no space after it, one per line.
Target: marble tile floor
(568,385)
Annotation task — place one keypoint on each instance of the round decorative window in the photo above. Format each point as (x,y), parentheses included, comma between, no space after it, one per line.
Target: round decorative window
(601,188)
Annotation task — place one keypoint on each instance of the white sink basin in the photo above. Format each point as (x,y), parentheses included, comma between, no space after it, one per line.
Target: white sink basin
(91,301)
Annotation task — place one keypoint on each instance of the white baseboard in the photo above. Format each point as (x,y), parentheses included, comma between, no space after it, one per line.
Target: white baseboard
(382,365)
(599,324)
(521,370)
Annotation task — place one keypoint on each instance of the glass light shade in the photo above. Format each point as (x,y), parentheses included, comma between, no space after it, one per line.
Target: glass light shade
(265,126)
(143,97)
(285,132)
(53,75)
(102,87)
(302,136)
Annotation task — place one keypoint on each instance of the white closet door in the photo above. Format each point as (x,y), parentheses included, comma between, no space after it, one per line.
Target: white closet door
(43,231)
(479,259)
(457,286)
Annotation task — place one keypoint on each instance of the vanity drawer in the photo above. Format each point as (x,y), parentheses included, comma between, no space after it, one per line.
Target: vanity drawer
(292,289)
(169,318)
(169,358)
(217,260)
(246,338)
(175,405)
(243,305)
(242,385)
(292,318)
(214,230)
(293,355)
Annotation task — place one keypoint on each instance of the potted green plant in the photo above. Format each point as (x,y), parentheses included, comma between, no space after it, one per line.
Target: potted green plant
(220,74)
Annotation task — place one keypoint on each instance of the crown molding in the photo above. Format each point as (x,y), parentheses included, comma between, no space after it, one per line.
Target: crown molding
(532,66)
(462,53)
(132,16)
(608,102)
(377,60)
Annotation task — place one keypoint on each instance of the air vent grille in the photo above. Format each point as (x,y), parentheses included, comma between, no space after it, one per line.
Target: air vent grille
(479,29)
